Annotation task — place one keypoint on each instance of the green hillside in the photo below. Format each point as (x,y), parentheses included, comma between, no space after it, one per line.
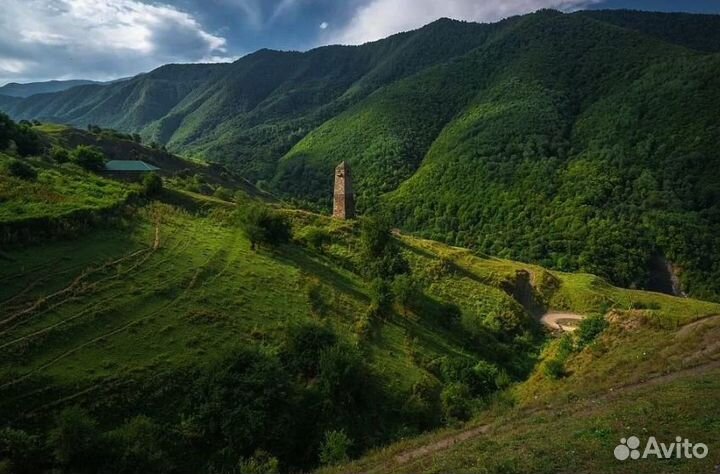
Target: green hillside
(635,379)
(576,141)
(191,326)
(138,323)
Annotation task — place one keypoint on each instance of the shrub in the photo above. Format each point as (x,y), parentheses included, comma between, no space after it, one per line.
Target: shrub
(59,155)
(456,402)
(304,345)
(22,170)
(478,377)
(590,328)
(136,447)
(334,449)
(554,368)
(152,184)
(263,225)
(315,237)
(19,136)
(88,157)
(20,452)
(75,439)
(223,193)
(260,463)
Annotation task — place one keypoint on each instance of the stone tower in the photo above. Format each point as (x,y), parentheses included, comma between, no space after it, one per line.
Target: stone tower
(344,197)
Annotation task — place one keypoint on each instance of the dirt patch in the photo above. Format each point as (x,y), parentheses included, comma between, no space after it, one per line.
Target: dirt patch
(440,445)
(562,321)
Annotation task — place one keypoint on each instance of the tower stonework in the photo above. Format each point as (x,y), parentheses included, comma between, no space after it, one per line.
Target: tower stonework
(344,197)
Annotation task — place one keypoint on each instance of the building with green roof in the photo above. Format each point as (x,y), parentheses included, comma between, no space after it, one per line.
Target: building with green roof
(128,169)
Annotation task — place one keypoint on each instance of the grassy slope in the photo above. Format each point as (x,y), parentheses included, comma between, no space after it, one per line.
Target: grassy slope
(132,310)
(637,379)
(202,291)
(57,192)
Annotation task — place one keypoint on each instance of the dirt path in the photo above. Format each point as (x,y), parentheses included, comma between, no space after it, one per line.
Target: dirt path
(412,454)
(559,321)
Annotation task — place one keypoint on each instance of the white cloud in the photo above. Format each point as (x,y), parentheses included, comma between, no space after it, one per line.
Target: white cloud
(97,39)
(380,18)
(324,25)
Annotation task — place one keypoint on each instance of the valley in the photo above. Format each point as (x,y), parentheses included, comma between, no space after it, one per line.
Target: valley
(516,269)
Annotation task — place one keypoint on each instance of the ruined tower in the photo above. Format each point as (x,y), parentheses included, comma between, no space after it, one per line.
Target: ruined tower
(344,197)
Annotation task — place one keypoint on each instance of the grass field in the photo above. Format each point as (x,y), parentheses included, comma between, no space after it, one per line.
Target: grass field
(125,310)
(57,192)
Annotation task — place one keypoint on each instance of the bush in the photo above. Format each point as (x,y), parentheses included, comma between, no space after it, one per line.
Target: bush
(88,157)
(75,439)
(263,225)
(554,368)
(20,452)
(334,449)
(136,447)
(152,184)
(315,237)
(304,345)
(479,377)
(22,170)
(260,463)
(59,155)
(21,136)
(456,402)
(223,193)
(590,328)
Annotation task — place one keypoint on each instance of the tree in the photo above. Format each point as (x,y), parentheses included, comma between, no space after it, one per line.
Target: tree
(25,139)
(59,154)
(20,452)
(136,447)
(382,257)
(152,184)
(75,439)
(304,344)
(22,170)
(263,225)
(88,157)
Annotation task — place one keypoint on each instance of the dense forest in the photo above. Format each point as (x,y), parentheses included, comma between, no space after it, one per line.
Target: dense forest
(582,141)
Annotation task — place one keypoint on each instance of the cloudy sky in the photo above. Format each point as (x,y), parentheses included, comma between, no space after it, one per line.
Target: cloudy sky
(108,39)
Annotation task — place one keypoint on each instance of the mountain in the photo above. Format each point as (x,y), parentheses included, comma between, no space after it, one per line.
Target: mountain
(579,141)
(13,89)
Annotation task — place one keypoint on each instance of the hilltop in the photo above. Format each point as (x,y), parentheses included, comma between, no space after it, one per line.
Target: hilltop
(576,141)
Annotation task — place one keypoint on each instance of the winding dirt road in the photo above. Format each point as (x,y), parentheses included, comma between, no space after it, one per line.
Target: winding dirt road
(561,321)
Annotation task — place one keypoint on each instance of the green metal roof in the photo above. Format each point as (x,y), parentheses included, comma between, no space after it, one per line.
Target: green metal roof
(129,165)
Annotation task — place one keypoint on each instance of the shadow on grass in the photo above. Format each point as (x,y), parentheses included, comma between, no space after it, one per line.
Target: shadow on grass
(300,258)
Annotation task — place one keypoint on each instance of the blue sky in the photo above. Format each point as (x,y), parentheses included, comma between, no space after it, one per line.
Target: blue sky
(107,39)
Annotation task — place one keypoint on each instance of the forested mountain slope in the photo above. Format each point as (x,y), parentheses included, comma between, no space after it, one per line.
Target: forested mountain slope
(580,141)
(14,89)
